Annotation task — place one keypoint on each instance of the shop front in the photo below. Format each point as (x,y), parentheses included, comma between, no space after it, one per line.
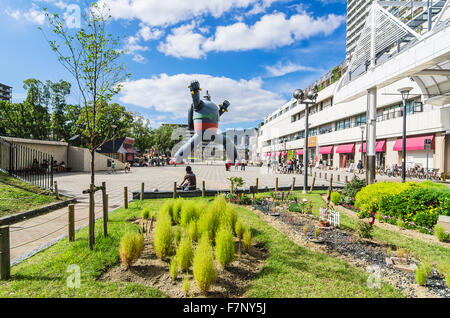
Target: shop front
(346,155)
(416,152)
(380,149)
(327,155)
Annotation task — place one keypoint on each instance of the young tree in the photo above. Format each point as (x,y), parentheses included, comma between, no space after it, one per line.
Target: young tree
(91,55)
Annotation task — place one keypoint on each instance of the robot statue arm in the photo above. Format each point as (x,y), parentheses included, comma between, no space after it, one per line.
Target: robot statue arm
(195,92)
(191,117)
(224,107)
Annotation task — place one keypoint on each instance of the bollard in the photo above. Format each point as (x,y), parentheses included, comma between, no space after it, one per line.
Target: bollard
(203,188)
(293,184)
(339,178)
(330,188)
(105,216)
(142,191)
(104,200)
(71,222)
(326,176)
(276,184)
(56,190)
(346,179)
(257,184)
(125,197)
(174,190)
(315,174)
(5,262)
(312,184)
(320,175)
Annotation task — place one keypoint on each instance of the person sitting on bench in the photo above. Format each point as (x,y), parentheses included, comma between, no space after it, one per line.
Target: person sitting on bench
(191,180)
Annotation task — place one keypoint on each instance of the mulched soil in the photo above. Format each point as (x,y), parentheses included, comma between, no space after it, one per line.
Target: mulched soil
(347,246)
(149,270)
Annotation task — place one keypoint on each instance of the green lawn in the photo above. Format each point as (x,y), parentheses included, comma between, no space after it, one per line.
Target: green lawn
(18,196)
(289,271)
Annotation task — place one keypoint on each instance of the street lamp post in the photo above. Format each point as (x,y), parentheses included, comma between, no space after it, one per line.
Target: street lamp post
(114,139)
(405,95)
(299,95)
(363,156)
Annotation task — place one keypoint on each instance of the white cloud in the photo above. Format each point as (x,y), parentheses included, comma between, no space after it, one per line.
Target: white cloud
(281,69)
(169,94)
(147,33)
(138,58)
(183,42)
(169,12)
(33,15)
(271,31)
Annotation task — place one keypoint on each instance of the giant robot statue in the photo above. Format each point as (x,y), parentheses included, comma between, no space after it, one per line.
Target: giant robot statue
(203,118)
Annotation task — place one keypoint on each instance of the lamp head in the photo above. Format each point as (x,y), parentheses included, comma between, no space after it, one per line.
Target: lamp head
(312,95)
(299,94)
(405,91)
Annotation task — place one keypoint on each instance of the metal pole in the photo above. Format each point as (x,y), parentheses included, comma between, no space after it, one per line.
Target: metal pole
(427,160)
(305,155)
(404,143)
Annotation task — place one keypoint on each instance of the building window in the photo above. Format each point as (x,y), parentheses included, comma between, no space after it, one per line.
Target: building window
(360,120)
(343,124)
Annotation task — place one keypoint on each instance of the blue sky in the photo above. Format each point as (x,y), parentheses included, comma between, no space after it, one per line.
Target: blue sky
(252,52)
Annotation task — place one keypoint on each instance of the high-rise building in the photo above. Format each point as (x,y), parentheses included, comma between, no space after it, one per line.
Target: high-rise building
(5,92)
(415,14)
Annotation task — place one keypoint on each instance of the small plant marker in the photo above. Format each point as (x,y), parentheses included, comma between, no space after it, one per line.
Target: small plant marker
(71,222)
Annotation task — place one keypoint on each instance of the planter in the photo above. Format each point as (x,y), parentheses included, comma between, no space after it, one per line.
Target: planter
(317,240)
(401,264)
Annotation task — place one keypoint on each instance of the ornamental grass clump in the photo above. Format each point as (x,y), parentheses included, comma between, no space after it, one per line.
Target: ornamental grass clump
(421,273)
(131,247)
(205,272)
(439,232)
(146,213)
(229,216)
(176,209)
(188,213)
(239,229)
(167,208)
(225,246)
(247,239)
(186,285)
(177,236)
(163,236)
(192,231)
(185,254)
(208,223)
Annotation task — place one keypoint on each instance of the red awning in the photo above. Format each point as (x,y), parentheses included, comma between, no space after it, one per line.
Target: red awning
(380,146)
(349,148)
(278,153)
(326,150)
(299,152)
(413,143)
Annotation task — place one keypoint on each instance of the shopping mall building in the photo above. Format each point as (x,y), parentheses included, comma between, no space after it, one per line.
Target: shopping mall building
(389,55)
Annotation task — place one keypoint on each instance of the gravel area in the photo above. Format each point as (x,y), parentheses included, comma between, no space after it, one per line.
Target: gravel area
(363,253)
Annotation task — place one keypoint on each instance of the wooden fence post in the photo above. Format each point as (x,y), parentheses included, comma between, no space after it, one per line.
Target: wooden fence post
(330,188)
(257,185)
(142,191)
(5,262)
(203,188)
(71,222)
(105,216)
(315,174)
(346,179)
(231,187)
(326,176)
(104,201)
(174,190)
(320,175)
(339,178)
(312,184)
(293,184)
(91,217)
(125,197)
(56,190)
(276,184)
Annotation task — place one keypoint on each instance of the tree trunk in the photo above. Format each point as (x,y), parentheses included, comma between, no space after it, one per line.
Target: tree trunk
(93,167)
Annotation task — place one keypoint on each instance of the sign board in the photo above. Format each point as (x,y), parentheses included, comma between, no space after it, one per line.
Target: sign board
(312,142)
(427,143)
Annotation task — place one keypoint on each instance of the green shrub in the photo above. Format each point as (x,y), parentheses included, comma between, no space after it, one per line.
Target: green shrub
(186,285)
(162,239)
(173,268)
(420,275)
(167,208)
(192,231)
(419,206)
(188,213)
(131,247)
(200,208)
(176,209)
(440,233)
(427,267)
(368,199)
(247,239)
(225,246)
(185,253)
(205,272)
(351,189)
(447,279)
(364,229)
(335,198)
(400,223)
(239,229)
